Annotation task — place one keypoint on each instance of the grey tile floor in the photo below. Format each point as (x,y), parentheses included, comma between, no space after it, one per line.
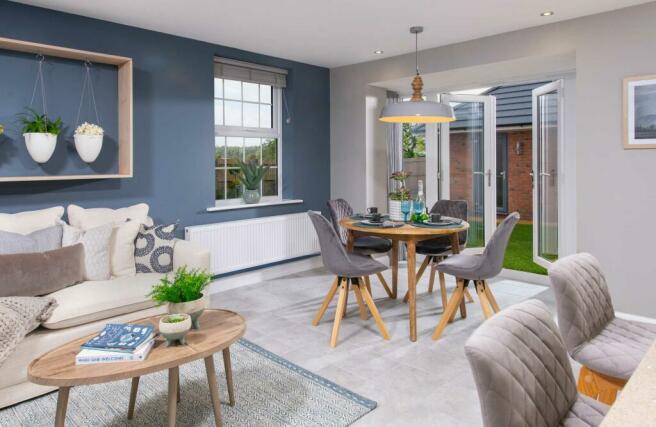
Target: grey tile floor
(426,383)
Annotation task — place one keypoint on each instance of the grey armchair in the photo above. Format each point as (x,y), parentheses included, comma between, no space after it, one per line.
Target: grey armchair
(609,348)
(365,245)
(476,268)
(522,372)
(350,270)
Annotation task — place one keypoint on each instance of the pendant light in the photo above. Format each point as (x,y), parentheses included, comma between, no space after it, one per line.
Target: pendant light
(417,110)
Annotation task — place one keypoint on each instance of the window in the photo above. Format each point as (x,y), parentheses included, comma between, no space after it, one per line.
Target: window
(247,119)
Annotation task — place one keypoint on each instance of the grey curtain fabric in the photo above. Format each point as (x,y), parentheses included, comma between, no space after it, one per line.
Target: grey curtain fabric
(394,146)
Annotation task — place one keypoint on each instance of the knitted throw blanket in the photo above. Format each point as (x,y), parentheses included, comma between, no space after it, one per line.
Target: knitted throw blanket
(18,317)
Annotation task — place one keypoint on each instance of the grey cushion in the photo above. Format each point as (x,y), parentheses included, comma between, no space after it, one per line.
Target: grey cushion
(44,240)
(585,412)
(522,370)
(450,208)
(434,247)
(41,273)
(371,244)
(586,318)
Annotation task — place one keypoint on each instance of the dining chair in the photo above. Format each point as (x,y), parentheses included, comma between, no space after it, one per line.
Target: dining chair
(523,375)
(364,245)
(436,250)
(477,268)
(609,348)
(349,269)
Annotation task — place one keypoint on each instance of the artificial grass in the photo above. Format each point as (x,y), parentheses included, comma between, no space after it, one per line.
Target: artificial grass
(519,255)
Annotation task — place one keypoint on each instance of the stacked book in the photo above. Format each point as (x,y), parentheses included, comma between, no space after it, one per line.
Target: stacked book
(117,343)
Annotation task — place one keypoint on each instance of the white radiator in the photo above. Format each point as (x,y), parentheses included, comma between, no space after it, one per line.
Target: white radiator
(237,245)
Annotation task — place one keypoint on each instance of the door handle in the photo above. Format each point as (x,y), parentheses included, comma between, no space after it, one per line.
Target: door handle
(489,177)
(544,174)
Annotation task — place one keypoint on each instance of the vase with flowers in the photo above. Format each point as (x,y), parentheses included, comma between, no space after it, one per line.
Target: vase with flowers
(398,196)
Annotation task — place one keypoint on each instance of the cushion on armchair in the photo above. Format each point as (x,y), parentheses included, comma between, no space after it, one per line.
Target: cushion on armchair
(44,240)
(30,221)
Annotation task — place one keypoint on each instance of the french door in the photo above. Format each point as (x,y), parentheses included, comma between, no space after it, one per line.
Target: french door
(465,160)
(547,139)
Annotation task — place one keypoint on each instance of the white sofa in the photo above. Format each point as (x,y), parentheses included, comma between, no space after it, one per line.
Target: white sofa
(83,309)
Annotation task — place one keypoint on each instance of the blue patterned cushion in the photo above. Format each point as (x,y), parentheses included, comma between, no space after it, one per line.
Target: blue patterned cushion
(153,248)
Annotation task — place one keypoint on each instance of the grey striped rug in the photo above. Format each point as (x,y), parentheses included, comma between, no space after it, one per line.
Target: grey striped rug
(270,391)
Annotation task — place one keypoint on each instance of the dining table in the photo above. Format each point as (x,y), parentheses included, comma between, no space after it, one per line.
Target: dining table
(410,235)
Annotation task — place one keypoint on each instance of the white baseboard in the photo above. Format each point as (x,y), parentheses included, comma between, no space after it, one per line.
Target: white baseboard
(635,317)
(260,275)
(523,276)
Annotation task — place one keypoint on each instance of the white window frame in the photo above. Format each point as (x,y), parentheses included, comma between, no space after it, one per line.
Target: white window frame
(253,132)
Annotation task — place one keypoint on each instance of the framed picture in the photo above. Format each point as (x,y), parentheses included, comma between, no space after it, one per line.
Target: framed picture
(640,112)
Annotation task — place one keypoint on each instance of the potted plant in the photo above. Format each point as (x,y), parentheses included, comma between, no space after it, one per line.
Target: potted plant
(250,177)
(40,134)
(174,328)
(183,294)
(88,141)
(398,196)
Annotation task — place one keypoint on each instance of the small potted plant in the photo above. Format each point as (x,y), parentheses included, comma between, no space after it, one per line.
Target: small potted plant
(183,294)
(88,141)
(40,134)
(250,177)
(397,197)
(174,328)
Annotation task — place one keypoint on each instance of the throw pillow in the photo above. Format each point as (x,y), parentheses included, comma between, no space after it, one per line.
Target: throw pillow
(89,218)
(96,242)
(41,273)
(30,221)
(122,248)
(44,240)
(153,251)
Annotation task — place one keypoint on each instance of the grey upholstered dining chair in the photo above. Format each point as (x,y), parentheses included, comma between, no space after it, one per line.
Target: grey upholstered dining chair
(439,248)
(476,268)
(522,372)
(364,245)
(609,348)
(350,268)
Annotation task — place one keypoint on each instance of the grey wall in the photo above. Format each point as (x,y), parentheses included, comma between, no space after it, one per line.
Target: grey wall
(615,199)
(173,120)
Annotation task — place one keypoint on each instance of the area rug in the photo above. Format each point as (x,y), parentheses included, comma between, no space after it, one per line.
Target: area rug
(269,391)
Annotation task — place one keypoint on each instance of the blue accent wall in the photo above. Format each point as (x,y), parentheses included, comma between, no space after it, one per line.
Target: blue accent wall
(173,121)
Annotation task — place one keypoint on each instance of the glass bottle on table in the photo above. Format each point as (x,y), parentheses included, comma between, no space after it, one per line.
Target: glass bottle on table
(420,202)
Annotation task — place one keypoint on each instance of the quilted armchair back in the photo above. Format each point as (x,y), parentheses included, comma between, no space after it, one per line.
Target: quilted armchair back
(333,253)
(454,209)
(582,298)
(340,208)
(521,368)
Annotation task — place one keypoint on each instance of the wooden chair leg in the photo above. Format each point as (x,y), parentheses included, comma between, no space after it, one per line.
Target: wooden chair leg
(450,309)
(490,297)
(422,268)
(468,297)
(358,297)
(463,308)
(431,279)
(339,313)
(384,283)
(598,386)
(443,290)
(326,302)
(348,288)
(374,312)
(485,304)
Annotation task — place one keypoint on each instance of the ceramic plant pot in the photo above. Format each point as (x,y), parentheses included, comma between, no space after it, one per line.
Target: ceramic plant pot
(395,210)
(88,146)
(40,145)
(193,308)
(175,332)
(251,196)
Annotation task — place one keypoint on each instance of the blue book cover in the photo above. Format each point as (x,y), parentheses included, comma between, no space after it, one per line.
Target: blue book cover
(120,337)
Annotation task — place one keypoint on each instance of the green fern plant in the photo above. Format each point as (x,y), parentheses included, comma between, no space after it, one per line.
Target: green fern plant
(34,122)
(186,286)
(251,174)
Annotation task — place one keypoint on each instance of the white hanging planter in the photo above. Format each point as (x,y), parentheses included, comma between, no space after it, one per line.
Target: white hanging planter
(88,147)
(40,145)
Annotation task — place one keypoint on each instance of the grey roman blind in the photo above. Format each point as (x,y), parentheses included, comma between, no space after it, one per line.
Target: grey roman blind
(232,69)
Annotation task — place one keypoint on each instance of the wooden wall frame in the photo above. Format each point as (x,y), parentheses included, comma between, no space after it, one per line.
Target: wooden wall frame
(626,107)
(124,65)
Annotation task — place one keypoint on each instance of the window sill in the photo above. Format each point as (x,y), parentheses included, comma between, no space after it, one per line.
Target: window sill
(254,205)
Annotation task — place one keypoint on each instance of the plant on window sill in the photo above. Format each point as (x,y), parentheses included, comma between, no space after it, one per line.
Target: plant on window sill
(250,177)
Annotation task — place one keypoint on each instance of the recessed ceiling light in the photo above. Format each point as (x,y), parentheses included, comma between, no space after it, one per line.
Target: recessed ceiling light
(378,52)
(547,13)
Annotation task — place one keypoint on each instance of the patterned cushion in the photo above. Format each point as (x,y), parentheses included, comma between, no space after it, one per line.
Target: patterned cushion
(44,240)
(585,412)
(153,252)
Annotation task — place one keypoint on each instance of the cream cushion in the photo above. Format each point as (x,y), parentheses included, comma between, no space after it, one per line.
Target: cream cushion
(31,221)
(122,248)
(101,299)
(88,218)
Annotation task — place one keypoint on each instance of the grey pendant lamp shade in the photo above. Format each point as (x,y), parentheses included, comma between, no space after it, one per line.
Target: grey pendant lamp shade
(417,110)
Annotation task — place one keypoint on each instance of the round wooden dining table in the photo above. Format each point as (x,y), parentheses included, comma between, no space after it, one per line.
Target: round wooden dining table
(410,235)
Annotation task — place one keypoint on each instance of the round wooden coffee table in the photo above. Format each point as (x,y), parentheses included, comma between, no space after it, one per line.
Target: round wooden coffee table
(218,330)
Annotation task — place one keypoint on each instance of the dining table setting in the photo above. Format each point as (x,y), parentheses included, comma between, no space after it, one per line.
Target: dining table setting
(415,228)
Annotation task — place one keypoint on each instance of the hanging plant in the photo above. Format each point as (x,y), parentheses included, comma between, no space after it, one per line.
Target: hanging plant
(88,136)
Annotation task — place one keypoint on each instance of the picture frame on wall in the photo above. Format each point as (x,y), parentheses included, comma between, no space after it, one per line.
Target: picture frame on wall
(640,112)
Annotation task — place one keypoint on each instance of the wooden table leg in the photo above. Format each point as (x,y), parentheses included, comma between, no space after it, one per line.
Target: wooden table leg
(412,288)
(350,239)
(62,404)
(228,371)
(173,394)
(214,389)
(455,244)
(394,259)
(133,397)
(177,389)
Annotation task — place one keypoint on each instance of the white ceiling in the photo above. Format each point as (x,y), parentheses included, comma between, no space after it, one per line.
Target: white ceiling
(332,33)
